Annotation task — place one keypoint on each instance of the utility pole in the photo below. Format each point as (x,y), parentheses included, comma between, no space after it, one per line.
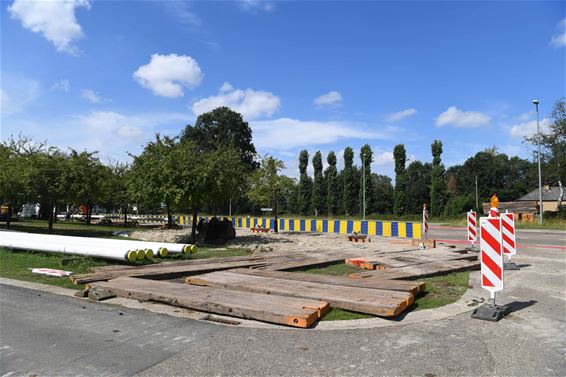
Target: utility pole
(364,184)
(541,208)
(477,198)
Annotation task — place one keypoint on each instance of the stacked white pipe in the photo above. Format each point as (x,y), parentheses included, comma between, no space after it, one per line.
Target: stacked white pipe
(129,250)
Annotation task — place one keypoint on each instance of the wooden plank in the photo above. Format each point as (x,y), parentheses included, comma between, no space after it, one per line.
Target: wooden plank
(372,301)
(304,262)
(420,271)
(159,272)
(412,287)
(275,309)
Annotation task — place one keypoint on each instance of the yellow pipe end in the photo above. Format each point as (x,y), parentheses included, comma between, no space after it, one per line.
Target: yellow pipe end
(141,254)
(186,249)
(149,254)
(194,248)
(132,255)
(163,252)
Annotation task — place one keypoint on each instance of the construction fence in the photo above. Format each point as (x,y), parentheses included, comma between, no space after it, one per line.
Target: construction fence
(399,229)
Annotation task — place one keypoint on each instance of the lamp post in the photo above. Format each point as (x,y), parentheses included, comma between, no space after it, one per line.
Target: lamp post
(541,209)
(364,186)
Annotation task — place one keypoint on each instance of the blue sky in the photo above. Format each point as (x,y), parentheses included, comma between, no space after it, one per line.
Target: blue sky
(107,75)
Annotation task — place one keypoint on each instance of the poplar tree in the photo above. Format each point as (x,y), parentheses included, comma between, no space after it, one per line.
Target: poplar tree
(349,193)
(305,184)
(400,157)
(318,184)
(438,182)
(366,158)
(332,187)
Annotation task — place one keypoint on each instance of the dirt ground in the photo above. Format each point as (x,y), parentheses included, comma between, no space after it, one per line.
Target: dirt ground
(286,241)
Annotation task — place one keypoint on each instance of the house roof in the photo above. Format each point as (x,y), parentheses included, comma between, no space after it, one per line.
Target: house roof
(547,195)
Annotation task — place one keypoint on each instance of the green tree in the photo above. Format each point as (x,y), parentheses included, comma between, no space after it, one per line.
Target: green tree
(267,187)
(332,187)
(384,196)
(208,178)
(438,189)
(418,176)
(400,157)
(349,183)
(366,158)
(86,180)
(12,183)
(223,127)
(116,195)
(553,144)
(305,184)
(155,176)
(318,198)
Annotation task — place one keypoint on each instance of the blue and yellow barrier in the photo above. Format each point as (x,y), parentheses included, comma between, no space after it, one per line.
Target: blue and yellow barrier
(400,229)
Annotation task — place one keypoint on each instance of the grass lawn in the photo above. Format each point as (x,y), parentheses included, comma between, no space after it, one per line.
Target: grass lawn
(67,228)
(440,290)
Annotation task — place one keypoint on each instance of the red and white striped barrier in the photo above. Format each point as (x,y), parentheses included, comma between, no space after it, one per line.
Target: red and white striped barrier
(508,231)
(491,246)
(425,221)
(472,227)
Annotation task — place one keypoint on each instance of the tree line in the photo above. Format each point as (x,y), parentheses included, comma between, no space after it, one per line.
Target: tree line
(213,164)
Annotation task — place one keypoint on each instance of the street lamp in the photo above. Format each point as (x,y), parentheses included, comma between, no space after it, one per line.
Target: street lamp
(364,185)
(541,209)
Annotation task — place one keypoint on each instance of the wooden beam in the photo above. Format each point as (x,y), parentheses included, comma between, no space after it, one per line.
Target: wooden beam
(288,311)
(372,301)
(412,287)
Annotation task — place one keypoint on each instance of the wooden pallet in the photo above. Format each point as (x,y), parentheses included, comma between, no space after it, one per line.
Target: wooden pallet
(290,311)
(412,287)
(258,230)
(379,302)
(358,237)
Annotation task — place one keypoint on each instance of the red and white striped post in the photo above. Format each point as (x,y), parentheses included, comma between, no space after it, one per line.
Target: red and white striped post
(491,245)
(508,231)
(425,221)
(472,228)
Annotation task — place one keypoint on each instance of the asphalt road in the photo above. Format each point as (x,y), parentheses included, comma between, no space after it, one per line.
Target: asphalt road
(525,237)
(50,335)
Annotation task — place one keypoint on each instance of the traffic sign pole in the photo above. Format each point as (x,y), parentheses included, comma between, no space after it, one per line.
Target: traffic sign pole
(492,271)
(509,241)
(472,228)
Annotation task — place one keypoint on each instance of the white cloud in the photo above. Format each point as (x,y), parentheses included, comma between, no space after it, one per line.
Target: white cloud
(330,99)
(55,20)
(395,117)
(286,133)
(166,75)
(91,96)
(529,128)
(462,119)
(17,93)
(250,103)
(559,39)
(254,6)
(383,159)
(63,86)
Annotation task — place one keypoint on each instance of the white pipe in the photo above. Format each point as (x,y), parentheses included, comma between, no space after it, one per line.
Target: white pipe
(23,241)
(79,243)
(160,249)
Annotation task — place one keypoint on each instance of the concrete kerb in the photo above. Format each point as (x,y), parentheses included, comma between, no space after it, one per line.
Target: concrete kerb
(472,298)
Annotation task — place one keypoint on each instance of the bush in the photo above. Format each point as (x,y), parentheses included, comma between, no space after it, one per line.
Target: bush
(458,205)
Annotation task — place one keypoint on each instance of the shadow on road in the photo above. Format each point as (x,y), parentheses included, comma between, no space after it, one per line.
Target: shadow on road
(519,305)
